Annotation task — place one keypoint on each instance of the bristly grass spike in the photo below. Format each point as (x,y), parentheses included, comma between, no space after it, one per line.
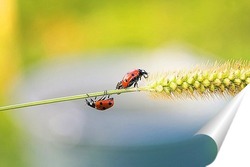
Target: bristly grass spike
(209,80)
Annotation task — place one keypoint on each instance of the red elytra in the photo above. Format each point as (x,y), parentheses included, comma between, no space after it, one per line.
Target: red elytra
(101,104)
(131,78)
(104,104)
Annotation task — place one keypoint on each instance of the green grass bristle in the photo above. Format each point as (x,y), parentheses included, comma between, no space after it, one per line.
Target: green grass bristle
(218,79)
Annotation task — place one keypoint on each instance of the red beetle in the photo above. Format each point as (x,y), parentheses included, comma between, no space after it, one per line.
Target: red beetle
(102,103)
(131,78)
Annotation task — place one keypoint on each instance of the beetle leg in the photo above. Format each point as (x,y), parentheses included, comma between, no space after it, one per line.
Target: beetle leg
(104,95)
(90,97)
(101,98)
(136,84)
(119,85)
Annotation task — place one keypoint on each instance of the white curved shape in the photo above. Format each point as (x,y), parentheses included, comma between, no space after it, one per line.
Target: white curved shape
(232,151)
(236,147)
(217,127)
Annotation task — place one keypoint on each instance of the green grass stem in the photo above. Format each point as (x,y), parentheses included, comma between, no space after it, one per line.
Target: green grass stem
(211,80)
(70,98)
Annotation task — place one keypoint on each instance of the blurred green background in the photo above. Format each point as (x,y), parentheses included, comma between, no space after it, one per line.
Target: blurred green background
(31,31)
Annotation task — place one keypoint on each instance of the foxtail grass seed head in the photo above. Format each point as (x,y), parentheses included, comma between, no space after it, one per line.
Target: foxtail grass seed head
(218,79)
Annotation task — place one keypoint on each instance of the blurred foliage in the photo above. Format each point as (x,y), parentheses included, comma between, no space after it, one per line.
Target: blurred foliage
(12,151)
(51,27)
(8,46)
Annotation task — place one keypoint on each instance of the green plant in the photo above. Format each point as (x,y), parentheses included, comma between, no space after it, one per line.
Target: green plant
(209,80)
